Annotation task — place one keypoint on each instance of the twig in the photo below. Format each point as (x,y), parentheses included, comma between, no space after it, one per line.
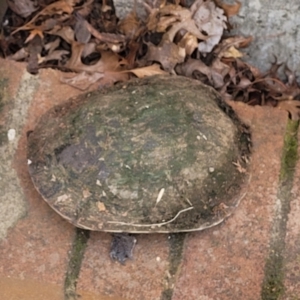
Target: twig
(152,225)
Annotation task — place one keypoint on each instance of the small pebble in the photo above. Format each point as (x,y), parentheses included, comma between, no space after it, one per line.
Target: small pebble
(211,169)
(11,134)
(158,259)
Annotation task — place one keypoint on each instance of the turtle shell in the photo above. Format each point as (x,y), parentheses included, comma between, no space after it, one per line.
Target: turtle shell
(155,155)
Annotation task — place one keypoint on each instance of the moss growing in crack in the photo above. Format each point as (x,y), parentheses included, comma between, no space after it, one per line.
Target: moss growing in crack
(75,260)
(167,294)
(273,286)
(176,242)
(3,84)
(290,147)
(176,249)
(3,135)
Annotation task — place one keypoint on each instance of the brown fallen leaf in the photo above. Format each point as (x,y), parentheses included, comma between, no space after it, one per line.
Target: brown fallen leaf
(148,71)
(211,20)
(33,33)
(232,52)
(229,9)
(189,42)
(115,40)
(19,55)
(226,44)
(214,74)
(82,80)
(35,47)
(38,21)
(81,31)
(53,55)
(23,8)
(130,26)
(292,106)
(101,206)
(109,78)
(167,53)
(109,61)
(66,33)
(191,65)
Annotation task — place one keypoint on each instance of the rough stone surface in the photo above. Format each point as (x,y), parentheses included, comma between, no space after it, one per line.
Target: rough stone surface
(274,26)
(123,8)
(14,111)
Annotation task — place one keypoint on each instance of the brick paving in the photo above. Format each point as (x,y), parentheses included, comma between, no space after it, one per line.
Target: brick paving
(224,262)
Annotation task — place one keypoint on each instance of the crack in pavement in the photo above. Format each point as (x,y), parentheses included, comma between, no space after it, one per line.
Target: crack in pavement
(273,285)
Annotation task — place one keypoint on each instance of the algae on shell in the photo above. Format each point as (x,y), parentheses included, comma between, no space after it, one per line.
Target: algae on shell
(155,155)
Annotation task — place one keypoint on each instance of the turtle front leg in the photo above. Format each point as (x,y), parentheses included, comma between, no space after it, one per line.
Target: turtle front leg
(122,247)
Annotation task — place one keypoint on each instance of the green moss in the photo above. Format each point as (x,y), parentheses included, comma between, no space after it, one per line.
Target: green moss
(176,249)
(3,135)
(176,242)
(75,260)
(3,84)
(166,294)
(273,286)
(290,147)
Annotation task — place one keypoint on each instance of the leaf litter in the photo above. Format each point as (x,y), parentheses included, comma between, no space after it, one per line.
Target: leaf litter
(86,40)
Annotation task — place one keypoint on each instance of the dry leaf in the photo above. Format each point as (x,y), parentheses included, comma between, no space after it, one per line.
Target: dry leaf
(109,61)
(189,42)
(130,26)
(236,41)
(23,8)
(101,206)
(33,33)
(211,20)
(35,47)
(53,55)
(81,31)
(232,52)
(83,80)
(292,106)
(148,71)
(86,194)
(167,53)
(67,33)
(57,8)
(109,78)
(229,9)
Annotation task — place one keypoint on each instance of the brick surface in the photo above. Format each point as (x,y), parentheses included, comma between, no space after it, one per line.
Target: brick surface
(292,251)
(139,279)
(227,262)
(37,247)
(224,262)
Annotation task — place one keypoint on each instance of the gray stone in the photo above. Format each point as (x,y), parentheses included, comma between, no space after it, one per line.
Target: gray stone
(274,26)
(12,203)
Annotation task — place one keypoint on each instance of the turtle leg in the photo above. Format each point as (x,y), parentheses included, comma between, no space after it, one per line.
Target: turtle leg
(122,246)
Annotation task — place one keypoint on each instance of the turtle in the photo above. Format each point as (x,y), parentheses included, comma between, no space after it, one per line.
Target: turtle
(154,155)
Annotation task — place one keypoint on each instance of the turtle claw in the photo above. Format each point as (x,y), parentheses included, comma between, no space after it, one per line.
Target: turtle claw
(122,247)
